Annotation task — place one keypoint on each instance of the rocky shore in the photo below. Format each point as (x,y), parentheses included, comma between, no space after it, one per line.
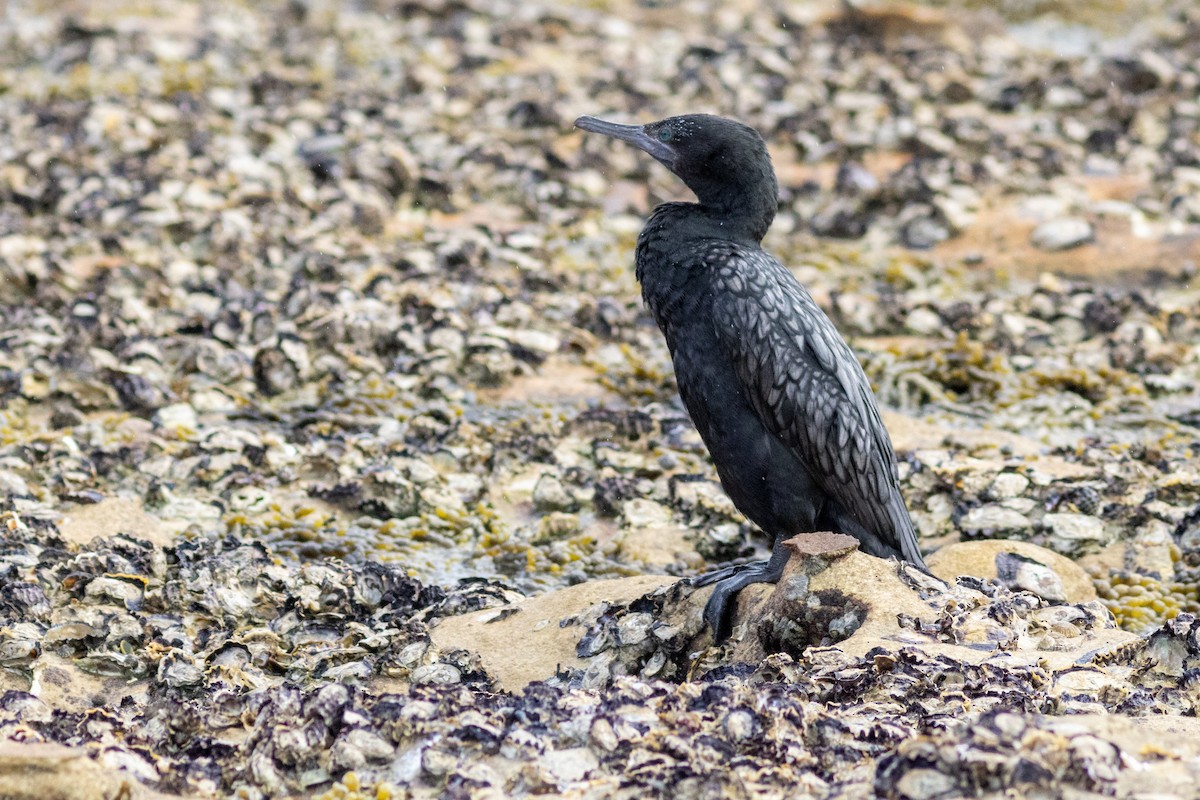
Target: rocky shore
(339,457)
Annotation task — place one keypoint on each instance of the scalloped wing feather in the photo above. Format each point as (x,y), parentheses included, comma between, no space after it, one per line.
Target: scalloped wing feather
(807,386)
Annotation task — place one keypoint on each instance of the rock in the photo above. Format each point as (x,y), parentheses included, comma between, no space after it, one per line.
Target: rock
(852,178)
(524,641)
(1027,575)
(926,784)
(437,674)
(829,592)
(569,765)
(1071,532)
(833,595)
(705,497)
(12,484)
(993,519)
(1063,97)
(1165,749)
(535,340)
(979,559)
(549,494)
(556,525)
(720,543)
(1008,485)
(111,516)
(664,546)
(643,513)
(924,232)
(176,416)
(1062,233)
(841,219)
(924,321)
(35,771)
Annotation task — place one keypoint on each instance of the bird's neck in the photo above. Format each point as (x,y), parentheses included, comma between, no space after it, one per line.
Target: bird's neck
(738,222)
(743,213)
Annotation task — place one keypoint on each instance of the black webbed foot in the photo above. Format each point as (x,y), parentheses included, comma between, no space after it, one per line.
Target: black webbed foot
(731,580)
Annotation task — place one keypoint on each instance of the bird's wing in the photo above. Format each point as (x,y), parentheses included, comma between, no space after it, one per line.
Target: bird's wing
(806,385)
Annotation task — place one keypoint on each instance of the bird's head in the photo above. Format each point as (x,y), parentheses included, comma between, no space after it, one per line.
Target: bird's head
(723,161)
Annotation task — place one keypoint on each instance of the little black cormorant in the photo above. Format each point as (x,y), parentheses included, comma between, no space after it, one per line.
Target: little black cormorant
(777,395)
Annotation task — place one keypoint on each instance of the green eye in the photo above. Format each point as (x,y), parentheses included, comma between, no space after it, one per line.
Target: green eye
(664,135)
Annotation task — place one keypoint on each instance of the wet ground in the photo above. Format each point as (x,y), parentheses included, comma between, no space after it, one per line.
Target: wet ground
(319,325)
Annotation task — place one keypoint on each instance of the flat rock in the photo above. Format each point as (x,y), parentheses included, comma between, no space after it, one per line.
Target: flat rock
(1008,485)
(38,771)
(822,544)
(1164,750)
(524,642)
(978,559)
(111,516)
(838,584)
(62,683)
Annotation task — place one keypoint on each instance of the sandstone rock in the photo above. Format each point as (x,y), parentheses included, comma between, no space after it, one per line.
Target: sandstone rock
(978,559)
(111,516)
(35,771)
(524,642)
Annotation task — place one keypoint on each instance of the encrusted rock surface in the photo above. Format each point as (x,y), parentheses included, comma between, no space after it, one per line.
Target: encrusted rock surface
(318,330)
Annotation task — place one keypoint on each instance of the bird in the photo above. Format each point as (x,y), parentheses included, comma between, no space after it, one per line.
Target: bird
(781,402)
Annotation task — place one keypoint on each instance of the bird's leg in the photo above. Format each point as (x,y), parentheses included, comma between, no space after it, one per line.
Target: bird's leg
(731,580)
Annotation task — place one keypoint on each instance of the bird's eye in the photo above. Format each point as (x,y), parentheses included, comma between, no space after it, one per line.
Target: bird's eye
(664,135)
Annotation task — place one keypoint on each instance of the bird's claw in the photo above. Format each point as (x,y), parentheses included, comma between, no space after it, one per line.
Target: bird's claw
(718,613)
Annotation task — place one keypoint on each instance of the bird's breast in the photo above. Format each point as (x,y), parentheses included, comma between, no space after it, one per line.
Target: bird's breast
(677,289)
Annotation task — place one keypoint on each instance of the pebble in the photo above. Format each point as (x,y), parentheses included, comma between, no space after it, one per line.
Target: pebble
(924,232)
(569,765)
(643,513)
(994,520)
(1062,233)
(1070,532)
(924,321)
(926,784)
(549,494)
(1027,575)
(1008,485)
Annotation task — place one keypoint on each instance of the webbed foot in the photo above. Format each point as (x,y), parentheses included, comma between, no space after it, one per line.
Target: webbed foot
(729,581)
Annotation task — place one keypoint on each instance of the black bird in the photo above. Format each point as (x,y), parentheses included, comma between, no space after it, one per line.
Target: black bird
(777,395)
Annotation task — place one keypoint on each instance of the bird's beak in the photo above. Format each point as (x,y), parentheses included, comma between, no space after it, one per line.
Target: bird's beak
(634,134)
